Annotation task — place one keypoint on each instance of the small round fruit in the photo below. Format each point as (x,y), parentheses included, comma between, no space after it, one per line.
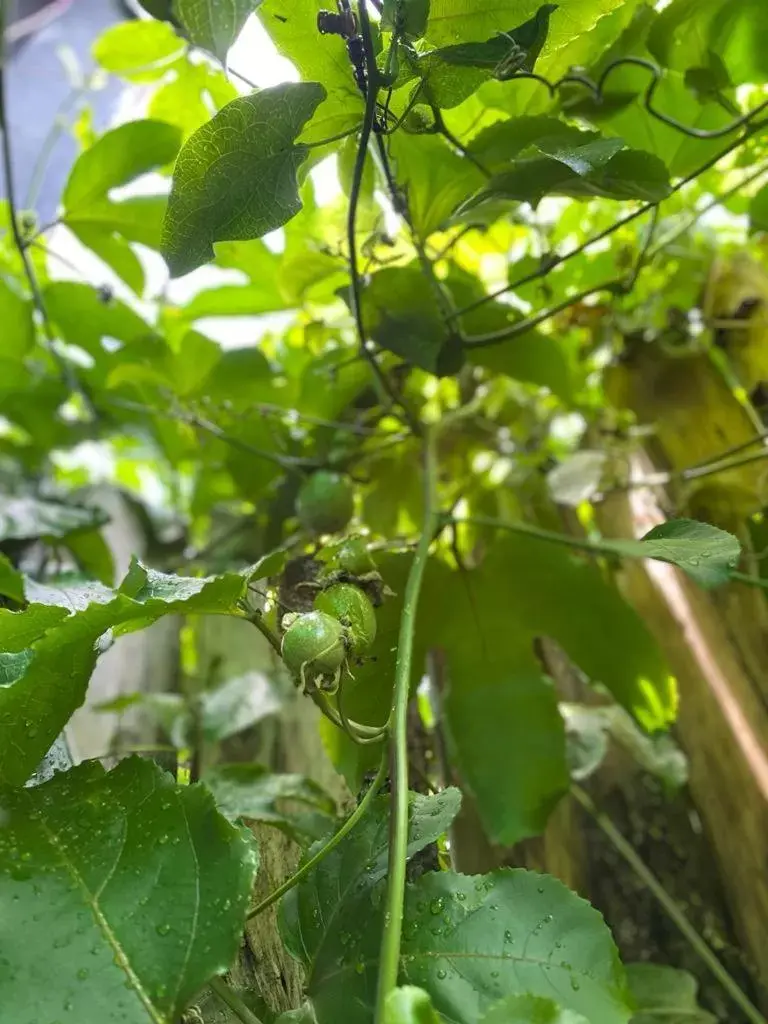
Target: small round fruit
(351,606)
(352,556)
(325,502)
(313,647)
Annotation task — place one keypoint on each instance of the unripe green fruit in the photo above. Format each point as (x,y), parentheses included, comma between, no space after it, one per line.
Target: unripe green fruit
(352,556)
(313,647)
(351,606)
(325,502)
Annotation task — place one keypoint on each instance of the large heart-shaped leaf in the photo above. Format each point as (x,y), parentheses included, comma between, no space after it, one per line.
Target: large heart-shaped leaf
(467,941)
(122,895)
(236,176)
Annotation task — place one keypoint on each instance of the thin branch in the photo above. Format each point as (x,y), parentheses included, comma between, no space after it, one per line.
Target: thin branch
(528,324)
(556,261)
(290,463)
(716,200)
(332,843)
(49,143)
(389,960)
(65,368)
(228,996)
(671,908)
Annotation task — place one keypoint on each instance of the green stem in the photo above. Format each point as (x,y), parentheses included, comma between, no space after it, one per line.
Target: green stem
(389,960)
(66,370)
(233,1001)
(332,843)
(671,908)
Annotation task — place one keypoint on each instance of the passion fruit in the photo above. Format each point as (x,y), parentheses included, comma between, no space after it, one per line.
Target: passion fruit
(313,649)
(353,557)
(325,502)
(350,606)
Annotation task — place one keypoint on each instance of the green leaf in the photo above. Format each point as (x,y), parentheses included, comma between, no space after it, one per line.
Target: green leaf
(317,58)
(453,21)
(688,31)
(401,314)
(410,1005)
(452,73)
(130,891)
(758,210)
(11,581)
(237,704)
(523,590)
(138,50)
(580,172)
(512,932)
(293,803)
(138,219)
(408,16)
(236,176)
(36,704)
(84,318)
(705,552)
(213,24)
(18,326)
(531,1010)
(467,941)
(434,177)
(532,357)
(112,250)
(29,518)
(664,995)
(117,158)
(319,914)
(93,555)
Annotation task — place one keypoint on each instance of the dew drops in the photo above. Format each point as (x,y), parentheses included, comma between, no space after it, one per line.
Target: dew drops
(540,890)
(82,974)
(509,937)
(359,967)
(436,905)
(575,984)
(163,929)
(442,974)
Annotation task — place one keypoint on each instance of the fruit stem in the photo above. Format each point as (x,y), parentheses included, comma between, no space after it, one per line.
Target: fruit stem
(335,839)
(389,960)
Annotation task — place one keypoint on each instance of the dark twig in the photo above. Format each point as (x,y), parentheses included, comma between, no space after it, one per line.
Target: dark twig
(372,89)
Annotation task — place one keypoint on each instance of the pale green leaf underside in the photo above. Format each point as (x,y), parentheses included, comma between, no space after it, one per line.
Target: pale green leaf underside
(235,178)
(122,895)
(214,24)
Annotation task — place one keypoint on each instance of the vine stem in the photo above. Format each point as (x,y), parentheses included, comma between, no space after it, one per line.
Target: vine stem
(333,842)
(671,908)
(65,369)
(389,959)
(233,1001)
(355,290)
(556,261)
(593,547)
